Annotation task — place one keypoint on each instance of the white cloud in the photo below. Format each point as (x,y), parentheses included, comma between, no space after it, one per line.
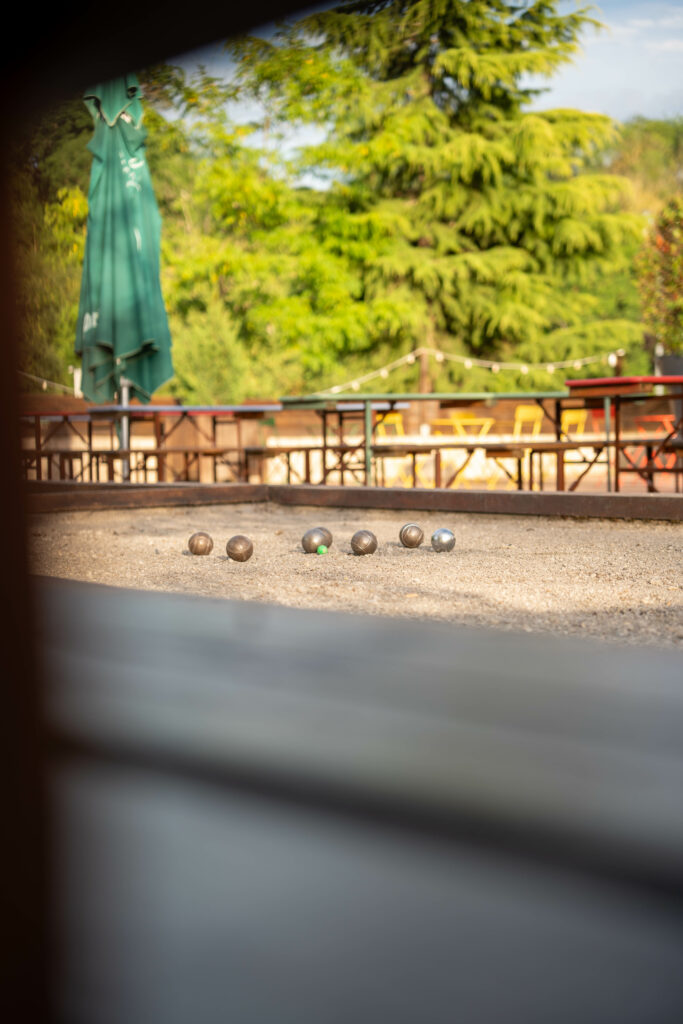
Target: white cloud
(675,21)
(611,33)
(666,46)
(666,22)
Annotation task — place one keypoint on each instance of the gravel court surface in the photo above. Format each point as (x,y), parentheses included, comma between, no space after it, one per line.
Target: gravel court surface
(614,580)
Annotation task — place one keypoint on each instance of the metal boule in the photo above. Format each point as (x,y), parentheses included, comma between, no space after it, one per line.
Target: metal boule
(443,540)
(200,543)
(239,548)
(363,542)
(328,536)
(319,536)
(410,535)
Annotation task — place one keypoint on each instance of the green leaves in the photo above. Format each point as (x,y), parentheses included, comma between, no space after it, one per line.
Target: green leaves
(660,277)
(448,209)
(489,210)
(489,72)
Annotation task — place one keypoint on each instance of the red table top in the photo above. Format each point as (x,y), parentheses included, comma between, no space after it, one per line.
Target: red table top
(601,382)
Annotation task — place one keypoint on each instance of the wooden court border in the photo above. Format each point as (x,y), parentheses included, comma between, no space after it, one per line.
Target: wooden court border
(59,496)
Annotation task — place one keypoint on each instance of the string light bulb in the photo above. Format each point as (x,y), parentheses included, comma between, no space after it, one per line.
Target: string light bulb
(468,363)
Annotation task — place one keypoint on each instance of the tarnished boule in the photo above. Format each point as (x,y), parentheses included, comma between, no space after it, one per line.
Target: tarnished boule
(443,540)
(239,548)
(313,539)
(200,543)
(410,535)
(363,542)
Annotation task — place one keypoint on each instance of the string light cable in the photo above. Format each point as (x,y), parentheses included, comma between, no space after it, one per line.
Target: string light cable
(45,384)
(468,362)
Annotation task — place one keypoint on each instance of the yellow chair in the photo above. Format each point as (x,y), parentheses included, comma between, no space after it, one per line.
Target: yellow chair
(465,425)
(527,424)
(573,425)
(391,419)
(528,421)
(573,421)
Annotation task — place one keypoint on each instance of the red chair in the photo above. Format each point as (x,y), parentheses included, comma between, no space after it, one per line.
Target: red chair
(598,419)
(658,425)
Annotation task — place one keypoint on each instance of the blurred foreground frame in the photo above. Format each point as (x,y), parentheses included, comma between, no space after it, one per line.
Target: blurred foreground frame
(265,814)
(260,814)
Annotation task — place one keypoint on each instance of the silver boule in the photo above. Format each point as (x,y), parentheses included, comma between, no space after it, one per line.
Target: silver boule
(314,538)
(443,540)
(410,535)
(239,548)
(363,542)
(200,543)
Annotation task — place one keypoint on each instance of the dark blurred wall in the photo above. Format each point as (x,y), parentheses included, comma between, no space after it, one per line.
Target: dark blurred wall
(50,55)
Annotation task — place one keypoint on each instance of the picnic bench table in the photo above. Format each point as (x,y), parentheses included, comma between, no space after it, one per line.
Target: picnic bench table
(352,447)
(612,393)
(80,427)
(522,454)
(371,409)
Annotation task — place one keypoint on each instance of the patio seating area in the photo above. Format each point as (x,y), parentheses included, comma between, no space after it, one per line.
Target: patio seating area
(605,435)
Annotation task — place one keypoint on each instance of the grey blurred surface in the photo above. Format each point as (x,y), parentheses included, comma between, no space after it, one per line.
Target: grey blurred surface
(264,814)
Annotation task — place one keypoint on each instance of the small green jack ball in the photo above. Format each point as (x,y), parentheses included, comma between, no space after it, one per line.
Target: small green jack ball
(316,537)
(322,549)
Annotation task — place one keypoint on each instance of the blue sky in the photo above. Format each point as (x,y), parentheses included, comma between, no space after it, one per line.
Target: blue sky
(634,66)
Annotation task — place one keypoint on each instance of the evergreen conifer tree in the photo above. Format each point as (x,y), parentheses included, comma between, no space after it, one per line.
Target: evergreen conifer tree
(487,219)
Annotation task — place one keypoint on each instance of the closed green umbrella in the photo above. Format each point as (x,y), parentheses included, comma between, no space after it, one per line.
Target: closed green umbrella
(122,334)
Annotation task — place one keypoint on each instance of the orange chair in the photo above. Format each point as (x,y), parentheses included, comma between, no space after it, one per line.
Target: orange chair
(659,426)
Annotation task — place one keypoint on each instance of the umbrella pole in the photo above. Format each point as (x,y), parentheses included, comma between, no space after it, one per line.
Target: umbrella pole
(125,428)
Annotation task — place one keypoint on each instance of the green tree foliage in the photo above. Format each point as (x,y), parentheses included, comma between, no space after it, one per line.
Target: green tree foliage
(451,217)
(650,155)
(265,264)
(492,230)
(660,277)
(49,210)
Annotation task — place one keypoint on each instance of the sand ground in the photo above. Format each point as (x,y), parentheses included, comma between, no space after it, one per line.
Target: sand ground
(614,580)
